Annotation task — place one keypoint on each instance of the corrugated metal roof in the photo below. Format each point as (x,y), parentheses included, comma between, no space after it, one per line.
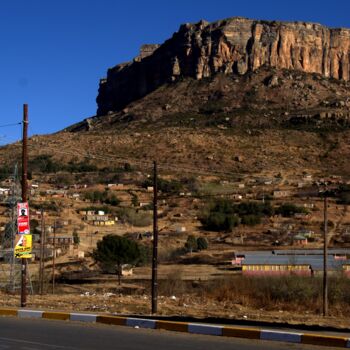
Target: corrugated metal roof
(316,262)
(331,251)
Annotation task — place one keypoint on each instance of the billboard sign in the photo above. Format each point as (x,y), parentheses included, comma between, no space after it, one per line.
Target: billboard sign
(23,218)
(23,246)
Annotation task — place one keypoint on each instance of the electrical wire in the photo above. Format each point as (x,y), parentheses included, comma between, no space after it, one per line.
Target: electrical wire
(8,125)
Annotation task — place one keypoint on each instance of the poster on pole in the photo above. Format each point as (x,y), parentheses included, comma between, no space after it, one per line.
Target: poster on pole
(23,218)
(23,246)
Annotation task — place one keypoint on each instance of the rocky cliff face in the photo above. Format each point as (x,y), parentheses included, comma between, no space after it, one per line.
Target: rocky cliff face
(231,46)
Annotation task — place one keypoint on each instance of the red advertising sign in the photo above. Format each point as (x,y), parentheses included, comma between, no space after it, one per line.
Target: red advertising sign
(23,218)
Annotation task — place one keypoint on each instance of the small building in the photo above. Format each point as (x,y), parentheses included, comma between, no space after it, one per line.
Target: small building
(237,197)
(307,177)
(281,194)
(300,240)
(306,233)
(127,270)
(180,229)
(60,240)
(302,215)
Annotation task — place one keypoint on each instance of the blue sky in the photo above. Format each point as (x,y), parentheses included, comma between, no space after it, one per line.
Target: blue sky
(53,52)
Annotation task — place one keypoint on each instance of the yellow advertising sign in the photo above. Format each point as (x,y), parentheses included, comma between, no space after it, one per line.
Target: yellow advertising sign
(23,247)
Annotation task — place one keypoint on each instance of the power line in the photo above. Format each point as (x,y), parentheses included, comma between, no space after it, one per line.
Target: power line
(7,125)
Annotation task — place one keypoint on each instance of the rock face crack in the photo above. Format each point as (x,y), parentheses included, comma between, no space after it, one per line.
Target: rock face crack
(234,45)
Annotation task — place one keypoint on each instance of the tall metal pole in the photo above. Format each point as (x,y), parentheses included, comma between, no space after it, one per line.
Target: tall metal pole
(41,270)
(155,241)
(24,198)
(53,257)
(325,259)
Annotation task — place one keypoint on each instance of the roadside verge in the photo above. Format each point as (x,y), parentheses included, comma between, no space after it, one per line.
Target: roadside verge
(188,327)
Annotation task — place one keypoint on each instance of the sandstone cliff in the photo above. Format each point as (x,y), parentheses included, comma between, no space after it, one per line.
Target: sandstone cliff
(230,46)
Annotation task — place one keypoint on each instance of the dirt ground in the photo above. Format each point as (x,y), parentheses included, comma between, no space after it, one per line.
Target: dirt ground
(87,299)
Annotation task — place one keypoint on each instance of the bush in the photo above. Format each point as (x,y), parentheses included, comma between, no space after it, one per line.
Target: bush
(224,214)
(114,251)
(76,238)
(165,186)
(44,164)
(5,172)
(202,243)
(134,217)
(191,244)
(102,197)
(289,209)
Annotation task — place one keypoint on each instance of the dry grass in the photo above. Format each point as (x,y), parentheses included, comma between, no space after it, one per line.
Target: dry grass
(281,293)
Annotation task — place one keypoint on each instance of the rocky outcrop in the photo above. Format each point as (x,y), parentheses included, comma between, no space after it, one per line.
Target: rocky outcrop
(231,46)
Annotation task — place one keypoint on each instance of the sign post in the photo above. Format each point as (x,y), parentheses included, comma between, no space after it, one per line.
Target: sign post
(23,244)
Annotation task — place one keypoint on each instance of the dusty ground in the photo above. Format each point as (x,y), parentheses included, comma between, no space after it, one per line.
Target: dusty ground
(184,305)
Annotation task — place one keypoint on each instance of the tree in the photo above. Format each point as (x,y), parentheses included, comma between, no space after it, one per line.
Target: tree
(202,243)
(191,243)
(76,238)
(114,251)
(135,200)
(127,167)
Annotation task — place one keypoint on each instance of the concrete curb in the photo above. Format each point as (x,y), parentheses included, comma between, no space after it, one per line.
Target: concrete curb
(194,328)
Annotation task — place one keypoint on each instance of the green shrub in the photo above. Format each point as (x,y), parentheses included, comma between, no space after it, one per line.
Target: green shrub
(289,209)
(165,186)
(103,197)
(134,217)
(224,214)
(114,251)
(191,244)
(202,243)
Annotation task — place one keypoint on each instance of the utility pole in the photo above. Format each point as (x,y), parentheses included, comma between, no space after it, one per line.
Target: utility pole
(42,240)
(155,241)
(325,257)
(24,198)
(53,257)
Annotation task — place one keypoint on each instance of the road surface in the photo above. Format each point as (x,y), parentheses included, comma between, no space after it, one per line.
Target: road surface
(38,334)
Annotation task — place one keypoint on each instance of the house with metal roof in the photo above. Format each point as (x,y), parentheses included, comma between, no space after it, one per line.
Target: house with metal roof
(305,262)
(276,265)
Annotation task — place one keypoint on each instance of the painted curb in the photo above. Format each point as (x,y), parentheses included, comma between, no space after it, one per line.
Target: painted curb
(29,314)
(193,328)
(8,312)
(113,320)
(142,323)
(204,329)
(63,316)
(172,326)
(83,317)
(280,336)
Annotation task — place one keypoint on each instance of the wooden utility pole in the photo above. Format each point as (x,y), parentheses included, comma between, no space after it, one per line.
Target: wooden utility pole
(325,257)
(42,247)
(24,198)
(155,241)
(53,257)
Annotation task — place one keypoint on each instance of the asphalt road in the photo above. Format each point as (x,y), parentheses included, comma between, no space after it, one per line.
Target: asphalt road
(31,334)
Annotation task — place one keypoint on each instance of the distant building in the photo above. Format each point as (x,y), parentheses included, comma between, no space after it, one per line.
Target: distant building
(60,240)
(305,262)
(281,194)
(299,240)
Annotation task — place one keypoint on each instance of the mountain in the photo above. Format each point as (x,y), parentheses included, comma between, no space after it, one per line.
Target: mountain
(233,96)
(230,46)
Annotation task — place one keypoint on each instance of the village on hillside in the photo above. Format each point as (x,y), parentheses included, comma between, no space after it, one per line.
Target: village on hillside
(278,224)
